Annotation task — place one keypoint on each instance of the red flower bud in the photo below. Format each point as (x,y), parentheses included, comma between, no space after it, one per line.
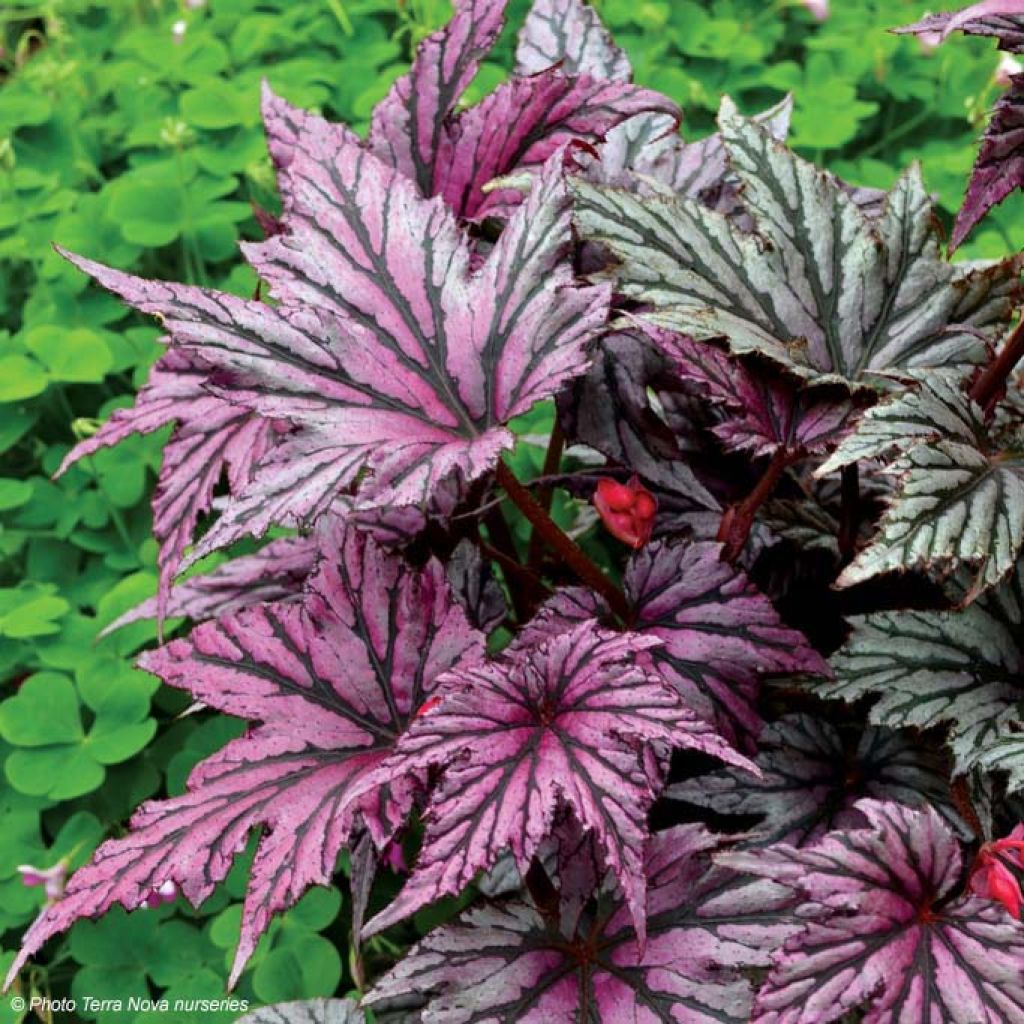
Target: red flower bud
(999,870)
(627,510)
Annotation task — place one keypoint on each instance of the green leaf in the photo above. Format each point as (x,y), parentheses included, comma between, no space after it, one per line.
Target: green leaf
(13,493)
(77,355)
(307,966)
(20,377)
(36,616)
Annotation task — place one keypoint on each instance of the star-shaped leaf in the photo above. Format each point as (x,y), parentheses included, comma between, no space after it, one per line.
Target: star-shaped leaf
(886,932)
(811,780)
(400,364)
(951,473)
(718,634)
(455,153)
(211,438)
(963,669)
(329,684)
(514,961)
(567,723)
(821,287)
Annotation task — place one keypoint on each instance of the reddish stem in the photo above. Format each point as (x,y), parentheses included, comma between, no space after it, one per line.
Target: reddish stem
(989,387)
(562,544)
(552,461)
(962,801)
(738,520)
(849,512)
(503,551)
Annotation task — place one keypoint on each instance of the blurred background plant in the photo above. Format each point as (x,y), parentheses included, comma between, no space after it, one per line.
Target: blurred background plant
(129,132)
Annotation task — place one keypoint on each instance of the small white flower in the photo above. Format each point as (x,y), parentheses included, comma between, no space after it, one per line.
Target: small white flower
(178,30)
(818,9)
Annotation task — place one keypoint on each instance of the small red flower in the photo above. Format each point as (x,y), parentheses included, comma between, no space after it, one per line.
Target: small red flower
(627,510)
(999,870)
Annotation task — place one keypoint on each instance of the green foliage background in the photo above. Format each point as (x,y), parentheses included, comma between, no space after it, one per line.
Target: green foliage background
(139,144)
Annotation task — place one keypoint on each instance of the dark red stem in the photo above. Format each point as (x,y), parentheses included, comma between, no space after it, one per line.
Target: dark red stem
(503,550)
(559,542)
(963,803)
(849,512)
(552,462)
(738,520)
(989,387)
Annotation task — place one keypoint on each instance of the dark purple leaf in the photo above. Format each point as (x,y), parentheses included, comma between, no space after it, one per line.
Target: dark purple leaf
(475,587)
(885,931)
(329,684)
(569,33)
(811,780)
(766,410)
(999,168)
(275,573)
(610,409)
(416,128)
(409,373)
(211,438)
(509,961)
(567,723)
(718,634)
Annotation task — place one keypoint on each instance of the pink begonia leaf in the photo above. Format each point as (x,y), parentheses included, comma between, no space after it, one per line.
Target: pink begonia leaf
(766,410)
(509,960)
(409,124)
(289,132)
(885,931)
(525,120)
(999,167)
(1006,25)
(569,33)
(391,356)
(211,437)
(718,634)
(811,780)
(274,573)
(329,684)
(417,130)
(567,723)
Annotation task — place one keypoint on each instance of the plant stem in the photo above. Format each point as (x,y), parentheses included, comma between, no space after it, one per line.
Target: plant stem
(559,542)
(503,550)
(988,387)
(738,520)
(849,512)
(552,461)
(962,801)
